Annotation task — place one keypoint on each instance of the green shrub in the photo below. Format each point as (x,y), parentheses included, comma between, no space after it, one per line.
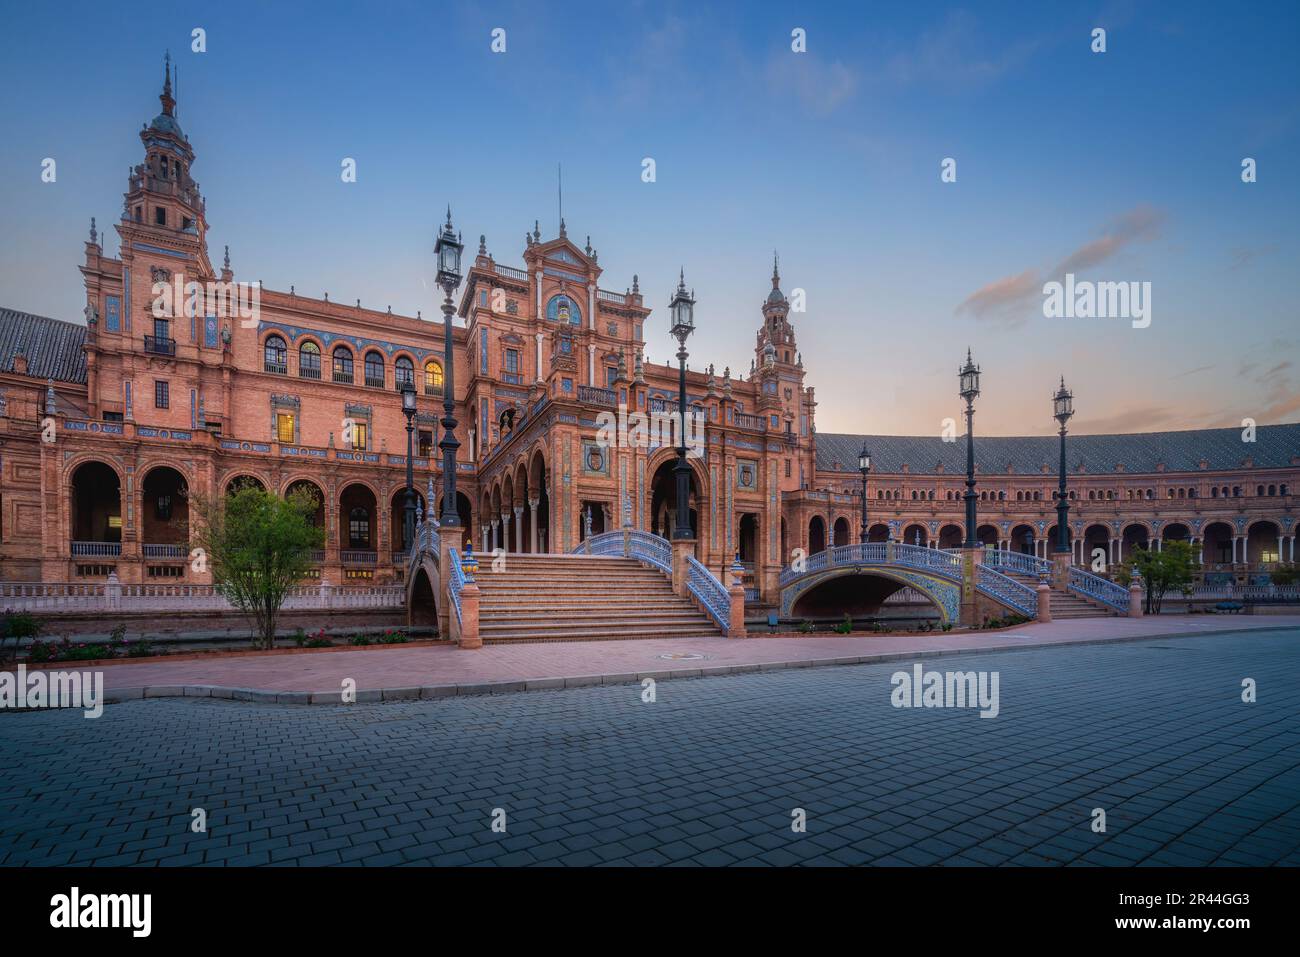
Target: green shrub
(845,626)
(806,627)
(360,640)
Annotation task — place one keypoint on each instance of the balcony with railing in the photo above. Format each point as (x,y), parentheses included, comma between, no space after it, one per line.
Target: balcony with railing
(308,372)
(275,368)
(374,382)
(171,551)
(743,420)
(358,556)
(344,378)
(509,272)
(594,395)
(96,549)
(617,298)
(160,345)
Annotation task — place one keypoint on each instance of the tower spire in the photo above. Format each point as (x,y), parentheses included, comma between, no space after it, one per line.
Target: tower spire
(776,273)
(166,98)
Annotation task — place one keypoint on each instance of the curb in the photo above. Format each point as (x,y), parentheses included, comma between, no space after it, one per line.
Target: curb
(516,685)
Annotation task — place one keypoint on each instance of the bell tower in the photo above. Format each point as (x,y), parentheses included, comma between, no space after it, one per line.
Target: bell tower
(162,201)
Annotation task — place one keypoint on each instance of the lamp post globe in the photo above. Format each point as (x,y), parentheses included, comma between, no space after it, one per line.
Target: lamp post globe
(864,466)
(969,378)
(447,250)
(682,310)
(1062,410)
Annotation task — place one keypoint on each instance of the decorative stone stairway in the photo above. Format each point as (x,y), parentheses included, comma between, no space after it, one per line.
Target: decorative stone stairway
(548,597)
(1065,603)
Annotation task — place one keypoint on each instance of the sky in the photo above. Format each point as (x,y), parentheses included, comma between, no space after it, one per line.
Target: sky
(1115,166)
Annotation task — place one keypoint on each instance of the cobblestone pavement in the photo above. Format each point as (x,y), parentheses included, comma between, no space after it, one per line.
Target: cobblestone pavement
(1153,732)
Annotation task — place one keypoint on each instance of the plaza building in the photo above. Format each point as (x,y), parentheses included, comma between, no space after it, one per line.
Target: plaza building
(107,426)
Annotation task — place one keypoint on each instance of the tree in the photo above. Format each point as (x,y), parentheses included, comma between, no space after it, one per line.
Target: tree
(257,546)
(1161,571)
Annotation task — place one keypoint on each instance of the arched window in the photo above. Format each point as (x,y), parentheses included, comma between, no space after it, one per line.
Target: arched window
(309,360)
(343,365)
(374,370)
(276,355)
(432,378)
(403,372)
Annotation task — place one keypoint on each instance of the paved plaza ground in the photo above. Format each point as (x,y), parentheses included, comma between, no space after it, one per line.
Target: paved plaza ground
(1153,731)
(544,665)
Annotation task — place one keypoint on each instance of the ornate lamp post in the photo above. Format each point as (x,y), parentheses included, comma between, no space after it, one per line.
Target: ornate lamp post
(447,250)
(1062,409)
(408,410)
(682,309)
(864,466)
(969,376)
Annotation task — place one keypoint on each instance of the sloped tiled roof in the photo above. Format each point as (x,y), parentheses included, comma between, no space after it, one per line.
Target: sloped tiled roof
(1142,452)
(53,348)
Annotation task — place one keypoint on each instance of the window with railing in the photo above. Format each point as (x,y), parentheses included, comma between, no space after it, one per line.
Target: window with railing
(374,370)
(309,361)
(403,373)
(432,378)
(343,365)
(275,356)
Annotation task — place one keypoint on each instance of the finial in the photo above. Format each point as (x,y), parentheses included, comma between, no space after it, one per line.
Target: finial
(587,249)
(168,103)
(94,236)
(226,262)
(49,396)
(537,230)
(563,231)
(776,273)
(636,284)
(449,215)
(482,244)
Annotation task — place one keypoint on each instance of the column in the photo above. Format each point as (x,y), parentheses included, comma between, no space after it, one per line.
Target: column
(539,293)
(1280,549)
(492,542)
(506,543)
(539,357)
(591,305)
(591,364)
(519,528)
(532,523)
(483,539)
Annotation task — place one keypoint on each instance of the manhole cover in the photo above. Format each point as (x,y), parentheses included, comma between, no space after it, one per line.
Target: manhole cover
(682,656)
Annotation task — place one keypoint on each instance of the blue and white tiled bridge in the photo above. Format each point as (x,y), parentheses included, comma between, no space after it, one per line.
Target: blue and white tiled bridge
(938,574)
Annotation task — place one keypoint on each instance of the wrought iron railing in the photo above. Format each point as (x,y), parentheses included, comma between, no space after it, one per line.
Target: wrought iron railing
(708,591)
(594,395)
(160,345)
(1007,590)
(1094,586)
(358,556)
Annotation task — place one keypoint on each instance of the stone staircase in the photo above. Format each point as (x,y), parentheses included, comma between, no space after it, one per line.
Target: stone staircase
(1065,603)
(582,598)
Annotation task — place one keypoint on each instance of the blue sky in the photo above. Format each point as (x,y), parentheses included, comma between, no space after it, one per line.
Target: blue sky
(1128,161)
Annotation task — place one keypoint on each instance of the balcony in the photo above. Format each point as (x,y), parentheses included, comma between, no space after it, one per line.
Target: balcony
(307,372)
(358,556)
(276,368)
(166,551)
(344,378)
(96,549)
(160,346)
(435,390)
(754,422)
(374,382)
(593,395)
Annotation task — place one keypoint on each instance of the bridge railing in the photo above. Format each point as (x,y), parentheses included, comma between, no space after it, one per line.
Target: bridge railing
(55,597)
(1109,593)
(709,592)
(644,546)
(918,556)
(426,541)
(456,581)
(1030,565)
(1007,590)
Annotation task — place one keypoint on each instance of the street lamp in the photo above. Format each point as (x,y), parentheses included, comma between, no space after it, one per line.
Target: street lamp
(408,410)
(682,310)
(864,466)
(1062,409)
(447,250)
(969,376)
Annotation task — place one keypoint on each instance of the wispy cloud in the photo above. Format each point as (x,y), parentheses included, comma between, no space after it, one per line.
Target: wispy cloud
(955,56)
(1006,299)
(821,86)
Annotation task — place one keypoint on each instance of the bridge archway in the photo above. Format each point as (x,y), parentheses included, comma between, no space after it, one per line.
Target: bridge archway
(861,592)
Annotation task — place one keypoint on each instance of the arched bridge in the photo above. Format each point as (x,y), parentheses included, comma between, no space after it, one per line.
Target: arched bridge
(858,578)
